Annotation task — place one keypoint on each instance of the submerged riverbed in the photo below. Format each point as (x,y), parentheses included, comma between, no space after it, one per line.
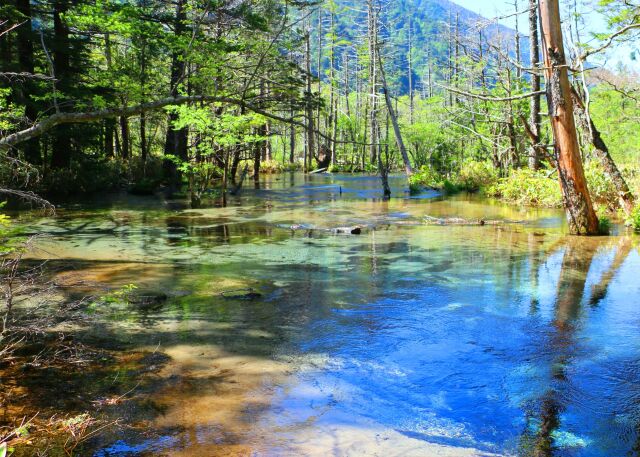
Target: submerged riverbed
(279,336)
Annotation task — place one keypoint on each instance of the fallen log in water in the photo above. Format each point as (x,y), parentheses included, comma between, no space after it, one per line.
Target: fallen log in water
(430,220)
(349,230)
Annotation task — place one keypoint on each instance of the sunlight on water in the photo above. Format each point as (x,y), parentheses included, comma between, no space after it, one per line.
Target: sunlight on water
(287,337)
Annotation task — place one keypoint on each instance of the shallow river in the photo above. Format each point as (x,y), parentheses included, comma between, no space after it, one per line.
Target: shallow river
(412,338)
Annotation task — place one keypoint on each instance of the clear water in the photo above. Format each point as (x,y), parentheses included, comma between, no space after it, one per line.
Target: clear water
(287,338)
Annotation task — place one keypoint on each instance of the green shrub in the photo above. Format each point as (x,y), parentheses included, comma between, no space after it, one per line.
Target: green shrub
(474,175)
(425,177)
(601,188)
(604,223)
(343,168)
(527,187)
(295,166)
(634,220)
(145,186)
(271,167)
(449,187)
(87,175)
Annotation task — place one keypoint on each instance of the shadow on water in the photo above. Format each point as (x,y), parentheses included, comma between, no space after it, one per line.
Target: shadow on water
(280,337)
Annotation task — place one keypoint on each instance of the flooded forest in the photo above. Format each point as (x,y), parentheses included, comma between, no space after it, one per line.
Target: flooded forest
(319,228)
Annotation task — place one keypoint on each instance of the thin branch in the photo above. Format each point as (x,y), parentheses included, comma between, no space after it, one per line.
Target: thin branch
(609,41)
(486,97)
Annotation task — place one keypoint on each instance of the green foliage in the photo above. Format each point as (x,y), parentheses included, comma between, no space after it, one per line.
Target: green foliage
(616,118)
(604,223)
(602,189)
(634,219)
(425,177)
(87,175)
(527,187)
(11,239)
(10,113)
(474,175)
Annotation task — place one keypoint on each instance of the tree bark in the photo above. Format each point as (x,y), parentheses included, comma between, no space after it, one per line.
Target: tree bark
(577,203)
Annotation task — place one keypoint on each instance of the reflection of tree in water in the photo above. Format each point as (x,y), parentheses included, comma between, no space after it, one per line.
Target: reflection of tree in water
(576,262)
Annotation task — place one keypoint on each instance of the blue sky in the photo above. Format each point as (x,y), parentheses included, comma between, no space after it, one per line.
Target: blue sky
(593,22)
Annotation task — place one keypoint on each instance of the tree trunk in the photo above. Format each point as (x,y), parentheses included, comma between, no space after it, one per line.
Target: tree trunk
(143,139)
(310,150)
(126,142)
(410,72)
(61,154)
(373,81)
(109,126)
(577,203)
(535,153)
(235,161)
(176,140)
(601,151)
(28,88)
(394,120)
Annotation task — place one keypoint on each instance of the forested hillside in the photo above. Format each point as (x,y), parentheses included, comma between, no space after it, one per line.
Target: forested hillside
(420,34)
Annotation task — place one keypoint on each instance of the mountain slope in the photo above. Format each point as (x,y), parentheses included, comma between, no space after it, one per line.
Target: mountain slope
(433,22)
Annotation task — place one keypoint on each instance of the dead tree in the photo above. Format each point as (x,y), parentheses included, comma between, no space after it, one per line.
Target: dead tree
(577,202)
(536,153)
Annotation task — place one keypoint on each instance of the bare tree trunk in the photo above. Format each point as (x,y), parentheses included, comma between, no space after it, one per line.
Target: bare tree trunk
(126,143)
(535,153)
(310,149)
(601,151)
(581,216)
(394,119)
(410,58)
(333,110)
(373,80)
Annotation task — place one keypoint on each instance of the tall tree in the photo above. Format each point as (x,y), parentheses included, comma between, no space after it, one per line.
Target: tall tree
(577,202)
(535,151)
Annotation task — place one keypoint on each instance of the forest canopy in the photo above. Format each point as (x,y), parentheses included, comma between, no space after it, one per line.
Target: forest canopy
(146,94)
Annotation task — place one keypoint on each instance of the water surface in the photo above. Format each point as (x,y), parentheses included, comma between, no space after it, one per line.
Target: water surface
(287,338)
